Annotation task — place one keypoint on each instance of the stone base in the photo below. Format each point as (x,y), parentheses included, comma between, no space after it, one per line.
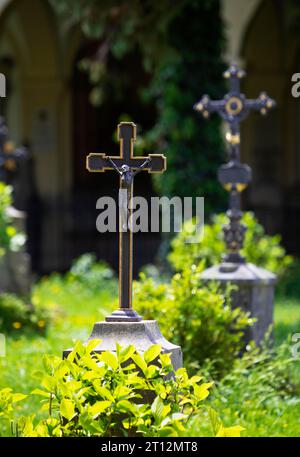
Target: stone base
(15,267)
(255,293)
(141,334)
(124,315)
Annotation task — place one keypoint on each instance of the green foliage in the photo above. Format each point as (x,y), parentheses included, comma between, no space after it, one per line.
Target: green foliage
(88,281)
(289,286)
(180,47)
(262,390)
(105,394)
(193,146)
(199,318)
(259,248)
(16,315)
(25,354)
(90,273)
(10,238)
(8,401)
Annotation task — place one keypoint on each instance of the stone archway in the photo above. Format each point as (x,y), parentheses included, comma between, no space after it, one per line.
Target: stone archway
(269,144)
(37,111)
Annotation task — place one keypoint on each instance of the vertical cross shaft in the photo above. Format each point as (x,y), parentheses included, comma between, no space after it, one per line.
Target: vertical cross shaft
(234,176)
(127,138)
(127,166)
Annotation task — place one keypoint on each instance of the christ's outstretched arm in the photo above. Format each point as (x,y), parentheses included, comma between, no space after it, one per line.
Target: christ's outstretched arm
(115,167)
(144,164)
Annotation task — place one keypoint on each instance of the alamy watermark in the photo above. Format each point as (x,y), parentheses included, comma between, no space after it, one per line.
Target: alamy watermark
(296,347)
(2,85)
(139,214)
(296,86)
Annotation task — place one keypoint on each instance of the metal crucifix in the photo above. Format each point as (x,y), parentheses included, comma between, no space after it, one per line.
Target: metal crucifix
(127,166)
(234,176)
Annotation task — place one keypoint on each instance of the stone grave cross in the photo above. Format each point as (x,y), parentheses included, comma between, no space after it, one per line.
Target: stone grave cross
(234,176)
(127,166)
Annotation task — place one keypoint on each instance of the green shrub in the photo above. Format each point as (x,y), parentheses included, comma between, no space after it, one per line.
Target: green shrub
(259,248)
(8,401)
(16,315)
(81,285)
(91,273)
(262,390)
(92,394)
(10,238)
(289,285)
(197,317)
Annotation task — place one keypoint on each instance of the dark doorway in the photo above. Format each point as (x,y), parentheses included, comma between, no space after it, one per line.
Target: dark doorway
(94,130)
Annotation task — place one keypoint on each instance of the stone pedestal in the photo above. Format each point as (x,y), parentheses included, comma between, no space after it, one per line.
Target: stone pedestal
(255,293)
(141,334)
(15,267)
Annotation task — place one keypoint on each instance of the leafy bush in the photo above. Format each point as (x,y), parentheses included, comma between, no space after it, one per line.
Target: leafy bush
(289,285)
(103,394)
(16,315)
(197,317)
(91,273)
(82,284)
(262,390)
(10,238)
(259,248)
(8,399)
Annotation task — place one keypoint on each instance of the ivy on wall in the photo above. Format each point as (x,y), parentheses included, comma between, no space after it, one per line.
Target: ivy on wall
(180,44)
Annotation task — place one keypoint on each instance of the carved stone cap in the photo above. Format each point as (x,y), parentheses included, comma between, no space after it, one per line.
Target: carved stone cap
(242,273)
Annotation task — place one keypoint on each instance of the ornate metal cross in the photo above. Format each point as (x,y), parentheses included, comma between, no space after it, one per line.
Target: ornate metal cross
(127,166)
(9,156)
(234,176)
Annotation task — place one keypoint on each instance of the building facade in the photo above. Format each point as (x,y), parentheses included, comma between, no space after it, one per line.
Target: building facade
(47,108)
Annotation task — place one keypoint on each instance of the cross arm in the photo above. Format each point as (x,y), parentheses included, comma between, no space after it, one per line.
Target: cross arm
(206,106)
(262,103)
(100,163)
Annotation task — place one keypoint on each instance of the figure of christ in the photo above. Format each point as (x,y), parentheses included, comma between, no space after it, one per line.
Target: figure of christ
(125,192)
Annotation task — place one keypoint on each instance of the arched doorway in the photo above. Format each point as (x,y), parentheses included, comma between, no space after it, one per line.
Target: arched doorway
(269,144)
(94,130)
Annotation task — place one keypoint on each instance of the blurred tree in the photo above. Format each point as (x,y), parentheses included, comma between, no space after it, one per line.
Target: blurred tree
(180,44)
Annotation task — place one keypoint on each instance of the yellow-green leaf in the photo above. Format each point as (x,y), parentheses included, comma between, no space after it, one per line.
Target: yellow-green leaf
(152,353)
(67,409)
(99,407)
(234,431)
(202,392)
(18,397)
(139,361)
(40,392)
(92,344)
(110,359)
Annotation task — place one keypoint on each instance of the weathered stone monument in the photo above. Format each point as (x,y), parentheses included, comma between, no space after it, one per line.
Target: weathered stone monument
(15,269)
(124,325)
(254,286)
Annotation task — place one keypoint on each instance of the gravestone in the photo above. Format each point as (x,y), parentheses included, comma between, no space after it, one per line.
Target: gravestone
(125,325)
(254,286)
(15,267)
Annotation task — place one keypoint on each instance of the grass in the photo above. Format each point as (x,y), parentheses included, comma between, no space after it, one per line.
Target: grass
(82,305)
(286,317)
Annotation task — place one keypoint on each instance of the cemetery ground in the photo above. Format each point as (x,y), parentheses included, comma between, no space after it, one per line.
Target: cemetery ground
(257,394)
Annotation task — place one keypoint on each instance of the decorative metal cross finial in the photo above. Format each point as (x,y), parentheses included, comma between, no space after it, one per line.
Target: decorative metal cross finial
(234,176)
(9,156)
(127,166)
